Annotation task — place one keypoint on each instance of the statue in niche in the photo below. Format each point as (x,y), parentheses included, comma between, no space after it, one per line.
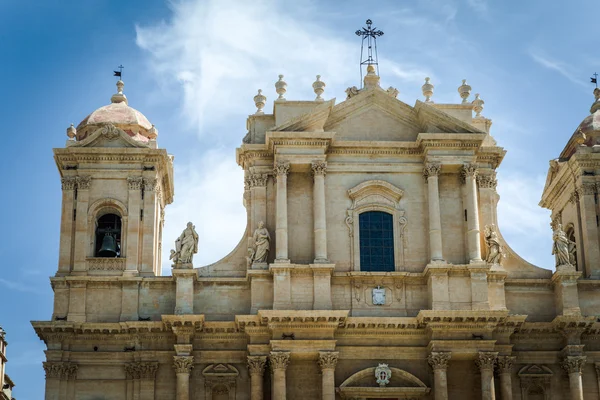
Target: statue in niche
(495,250)
(563,249)
(186,246)
(261,240)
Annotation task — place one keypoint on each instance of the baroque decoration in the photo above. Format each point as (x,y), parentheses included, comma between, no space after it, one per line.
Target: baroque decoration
(185,246)
(383,373)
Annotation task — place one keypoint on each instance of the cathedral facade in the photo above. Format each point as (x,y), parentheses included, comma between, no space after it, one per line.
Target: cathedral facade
(372,265)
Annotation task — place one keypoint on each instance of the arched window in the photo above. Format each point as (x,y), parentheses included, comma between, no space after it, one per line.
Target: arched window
(108,236)
(376,233)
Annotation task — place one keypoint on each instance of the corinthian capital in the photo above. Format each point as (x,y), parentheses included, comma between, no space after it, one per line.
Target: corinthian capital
(573,364)
(151,184)
(487,181)
(505,364)
(328,359)
(439,360)
(431,169)
(68,182)
(134,182)
(469,171)
(256,365)
(486,360)
(279,359)
(148,370)
(183,364)
(257,180)
(281,168)
(319,167)
(60,370)
(83,182)
(586,189)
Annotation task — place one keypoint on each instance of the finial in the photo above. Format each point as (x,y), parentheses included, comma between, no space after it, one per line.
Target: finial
(259,101)
(318,87)
(464,90)
(152,133)
(280,88)
(478,106)
(370,34)
(71,132)
(427,89)
(119,97)
(596,104)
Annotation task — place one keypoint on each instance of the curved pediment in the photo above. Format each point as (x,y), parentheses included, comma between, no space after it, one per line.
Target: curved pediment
(109,135)
(401,384)
(375,191)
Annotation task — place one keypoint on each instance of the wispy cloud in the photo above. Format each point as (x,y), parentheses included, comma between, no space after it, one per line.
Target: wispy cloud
(18,286)
(480,6)
(562,68)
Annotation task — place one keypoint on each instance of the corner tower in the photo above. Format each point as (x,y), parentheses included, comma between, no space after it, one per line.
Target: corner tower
(116,184)
(571,192)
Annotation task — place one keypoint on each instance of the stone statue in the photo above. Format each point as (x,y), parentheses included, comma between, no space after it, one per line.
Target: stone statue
(495,250)
(563,249)
(185,246)
(261,239)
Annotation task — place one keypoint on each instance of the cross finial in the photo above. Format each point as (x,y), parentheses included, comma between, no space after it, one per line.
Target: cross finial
(119,73)
(594,79)
(371,35)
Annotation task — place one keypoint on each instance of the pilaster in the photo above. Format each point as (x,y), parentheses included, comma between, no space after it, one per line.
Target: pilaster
(77,301)
(149,222)
(184,292)
(67,220)
(565,290)
(134,202)
(319,169)
(322,286)
(281,231)
(82,244)
(589,229)
(438,286)
(282,286)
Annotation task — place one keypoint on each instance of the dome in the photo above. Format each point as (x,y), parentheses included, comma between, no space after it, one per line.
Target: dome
(119,114)
(591,123)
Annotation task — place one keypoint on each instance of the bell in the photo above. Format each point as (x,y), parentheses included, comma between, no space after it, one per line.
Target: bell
(109,246)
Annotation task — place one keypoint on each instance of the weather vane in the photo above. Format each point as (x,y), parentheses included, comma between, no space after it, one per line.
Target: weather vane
(119,73)
(371,35)
(595,79)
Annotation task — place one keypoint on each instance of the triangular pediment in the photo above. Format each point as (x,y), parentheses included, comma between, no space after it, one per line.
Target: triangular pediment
(109,135)
(375,115)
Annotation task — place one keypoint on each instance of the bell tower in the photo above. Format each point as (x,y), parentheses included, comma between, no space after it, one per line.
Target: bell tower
(572,191)
(115,186)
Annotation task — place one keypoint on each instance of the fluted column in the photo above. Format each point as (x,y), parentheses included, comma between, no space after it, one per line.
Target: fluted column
(574,366)
(281,228)
(505,365)
(279,360)
(469,172)
(256,369)
(431,172)
(439,364)
(183,367)
(486,361)
(320,220)
(327,362)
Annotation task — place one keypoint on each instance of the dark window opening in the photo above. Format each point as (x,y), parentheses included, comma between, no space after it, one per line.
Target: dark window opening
(108,236)
(376,232)
(572,247)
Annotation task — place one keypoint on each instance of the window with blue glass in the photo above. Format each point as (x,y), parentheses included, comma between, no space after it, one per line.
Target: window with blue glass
(376,232)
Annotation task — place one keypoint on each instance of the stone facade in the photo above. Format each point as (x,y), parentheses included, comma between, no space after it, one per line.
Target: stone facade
(313,304)
(6,384)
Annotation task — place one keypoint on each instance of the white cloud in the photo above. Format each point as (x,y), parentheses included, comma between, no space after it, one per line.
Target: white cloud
(524,224)
(209,194)
(558,66)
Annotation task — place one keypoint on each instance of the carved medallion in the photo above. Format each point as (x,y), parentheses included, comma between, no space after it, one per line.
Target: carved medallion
(383,373)
(379,296)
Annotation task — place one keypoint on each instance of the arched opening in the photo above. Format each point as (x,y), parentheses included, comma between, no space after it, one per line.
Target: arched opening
(376,233)
(108,236)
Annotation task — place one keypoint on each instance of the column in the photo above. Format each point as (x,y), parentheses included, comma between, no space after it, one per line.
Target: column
(281,230)
(66,225)
(279,360)
(183,367)
(505,365)
(256,369)
(574,365)
(130,375)
(83,241)
(148,253)
(327,361)
(53,375)
(147,377)
(134,203)
(469,172)
(320,220)
(589,240)
(485,362)
(431,172)
(439,364)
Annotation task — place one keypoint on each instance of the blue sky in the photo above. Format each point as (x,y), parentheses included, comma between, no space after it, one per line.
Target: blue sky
(192,67)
